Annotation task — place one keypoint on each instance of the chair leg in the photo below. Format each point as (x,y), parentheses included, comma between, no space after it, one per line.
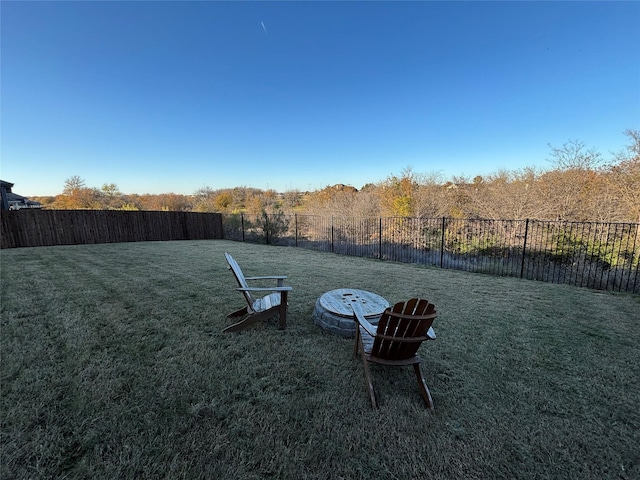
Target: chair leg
(242,324)
(283,311)
(426,394)
(367,374)
(238,313)
(248,321)
(357,342)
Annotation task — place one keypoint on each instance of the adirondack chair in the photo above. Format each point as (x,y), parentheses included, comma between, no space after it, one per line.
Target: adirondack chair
(261,308)
(400,332)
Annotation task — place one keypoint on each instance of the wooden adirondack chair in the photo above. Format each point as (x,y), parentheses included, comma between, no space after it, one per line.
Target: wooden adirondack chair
(400,332)
(261,308)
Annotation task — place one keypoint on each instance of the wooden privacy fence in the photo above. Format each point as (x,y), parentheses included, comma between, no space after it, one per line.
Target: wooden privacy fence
(604,256)
(35,227)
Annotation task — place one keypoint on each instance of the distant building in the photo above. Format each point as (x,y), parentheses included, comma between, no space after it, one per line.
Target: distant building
(13,201)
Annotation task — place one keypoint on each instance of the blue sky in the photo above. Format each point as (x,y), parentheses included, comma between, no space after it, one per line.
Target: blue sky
(162,97)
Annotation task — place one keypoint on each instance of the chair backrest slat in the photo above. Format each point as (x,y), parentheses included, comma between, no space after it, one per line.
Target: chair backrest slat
(237,272)
(406,321)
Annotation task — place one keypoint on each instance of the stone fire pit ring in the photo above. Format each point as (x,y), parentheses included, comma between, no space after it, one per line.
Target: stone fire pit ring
(333,310)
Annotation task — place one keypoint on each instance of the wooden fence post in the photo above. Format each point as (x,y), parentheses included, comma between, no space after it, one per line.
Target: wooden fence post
(331,233)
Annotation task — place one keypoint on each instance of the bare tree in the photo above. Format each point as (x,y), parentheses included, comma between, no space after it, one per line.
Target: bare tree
(568,189)
(623,179)
(73,184)
(506,195)
(291,200)
(574,155)
(430,197)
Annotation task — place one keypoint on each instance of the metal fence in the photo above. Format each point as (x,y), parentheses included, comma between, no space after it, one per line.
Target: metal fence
(604,256)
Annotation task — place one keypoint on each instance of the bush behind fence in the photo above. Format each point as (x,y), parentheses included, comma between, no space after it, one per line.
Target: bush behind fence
(604,256)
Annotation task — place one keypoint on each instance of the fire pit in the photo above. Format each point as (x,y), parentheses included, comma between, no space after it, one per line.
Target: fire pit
(333,310)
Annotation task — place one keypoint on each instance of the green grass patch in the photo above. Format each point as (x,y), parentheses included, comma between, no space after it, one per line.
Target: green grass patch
(114,365)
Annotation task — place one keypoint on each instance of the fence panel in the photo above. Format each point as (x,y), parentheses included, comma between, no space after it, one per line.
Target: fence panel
(35,227)
(313,232)
(602,256)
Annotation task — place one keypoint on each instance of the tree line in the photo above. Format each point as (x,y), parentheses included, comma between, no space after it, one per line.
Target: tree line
(580,185)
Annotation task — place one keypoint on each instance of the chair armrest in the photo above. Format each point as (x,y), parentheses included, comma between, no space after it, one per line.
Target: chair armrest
(363,322)
(431,333)
(264,289)
(279,278)
(268,277)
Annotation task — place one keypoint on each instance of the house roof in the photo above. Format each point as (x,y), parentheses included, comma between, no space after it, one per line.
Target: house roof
(9,198)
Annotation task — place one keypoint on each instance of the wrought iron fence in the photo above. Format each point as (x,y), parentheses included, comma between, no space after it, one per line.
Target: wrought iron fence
(604,256)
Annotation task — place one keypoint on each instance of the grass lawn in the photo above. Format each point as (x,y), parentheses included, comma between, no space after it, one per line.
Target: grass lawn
(114,365)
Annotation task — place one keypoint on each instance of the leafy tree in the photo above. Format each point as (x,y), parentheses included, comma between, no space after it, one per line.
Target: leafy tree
(129,207)
(338,200)
(255,205)
(79,199)
(110,190)
(396,194)
(223,202)
(204,200)
(76,195)
(112,198)
(173,202)
(164,202)
(273,225)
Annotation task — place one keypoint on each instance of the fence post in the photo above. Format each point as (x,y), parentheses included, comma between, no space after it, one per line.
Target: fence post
(442,244)
(524,247)
(242,225)
(295,216)
(380,239)
(331,233)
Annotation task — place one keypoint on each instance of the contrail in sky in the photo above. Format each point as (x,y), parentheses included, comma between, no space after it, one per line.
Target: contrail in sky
(264,28)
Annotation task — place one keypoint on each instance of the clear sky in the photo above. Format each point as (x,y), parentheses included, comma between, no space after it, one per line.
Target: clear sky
(162,97)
